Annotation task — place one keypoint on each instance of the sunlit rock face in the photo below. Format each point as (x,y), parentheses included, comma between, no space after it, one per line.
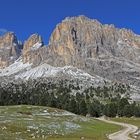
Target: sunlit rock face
(79,38)
(30,49)
(73,41)
(8,49)
(101,49)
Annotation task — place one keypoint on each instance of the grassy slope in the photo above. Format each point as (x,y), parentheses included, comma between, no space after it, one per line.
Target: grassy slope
(134,121)
(39,123)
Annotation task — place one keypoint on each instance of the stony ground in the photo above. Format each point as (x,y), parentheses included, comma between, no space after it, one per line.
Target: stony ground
(39,123)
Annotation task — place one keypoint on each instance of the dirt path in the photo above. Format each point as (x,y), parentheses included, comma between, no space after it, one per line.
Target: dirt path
(122,134)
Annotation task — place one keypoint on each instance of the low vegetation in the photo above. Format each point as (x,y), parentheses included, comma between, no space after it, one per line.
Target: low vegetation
(39,123)
(133,120)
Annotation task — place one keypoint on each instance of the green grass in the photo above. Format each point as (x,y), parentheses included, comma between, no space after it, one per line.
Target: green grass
(39,123)
(134,121)
(92,130)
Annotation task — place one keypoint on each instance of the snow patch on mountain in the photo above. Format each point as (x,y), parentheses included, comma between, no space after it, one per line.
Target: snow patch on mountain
(46,70)
(43,70)
(25,71)
(14,68)
(36,46)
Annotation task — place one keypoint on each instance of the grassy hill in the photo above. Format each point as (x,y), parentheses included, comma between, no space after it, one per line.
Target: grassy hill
(35,122)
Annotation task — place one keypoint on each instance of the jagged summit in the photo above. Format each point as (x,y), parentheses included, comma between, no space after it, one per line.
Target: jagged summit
(33,43)
(8,37)
(81,18)
(8,49)
(81,37)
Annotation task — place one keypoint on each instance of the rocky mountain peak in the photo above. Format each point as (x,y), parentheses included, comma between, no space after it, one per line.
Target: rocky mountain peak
(33,43)
(81,19)
(8,49)
(32,40)
(69,24)
(8,38)
(79,38)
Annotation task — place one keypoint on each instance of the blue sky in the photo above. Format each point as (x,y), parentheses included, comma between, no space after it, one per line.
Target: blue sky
(25,17)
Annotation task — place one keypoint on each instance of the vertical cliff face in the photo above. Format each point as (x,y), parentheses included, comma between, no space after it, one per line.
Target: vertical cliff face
(79,38)
(73,40)
(8,49)
(30,49)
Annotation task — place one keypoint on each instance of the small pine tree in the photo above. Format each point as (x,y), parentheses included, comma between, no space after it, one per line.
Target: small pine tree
(72,106)
(83,107)
(110,110)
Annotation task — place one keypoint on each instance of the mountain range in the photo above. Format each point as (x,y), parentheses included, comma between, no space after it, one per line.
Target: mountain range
(80,50)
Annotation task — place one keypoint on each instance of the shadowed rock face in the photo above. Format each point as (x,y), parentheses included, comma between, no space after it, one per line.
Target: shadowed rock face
(8,49)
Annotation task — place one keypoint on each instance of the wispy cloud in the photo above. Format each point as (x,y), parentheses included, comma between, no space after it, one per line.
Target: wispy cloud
(3,31)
